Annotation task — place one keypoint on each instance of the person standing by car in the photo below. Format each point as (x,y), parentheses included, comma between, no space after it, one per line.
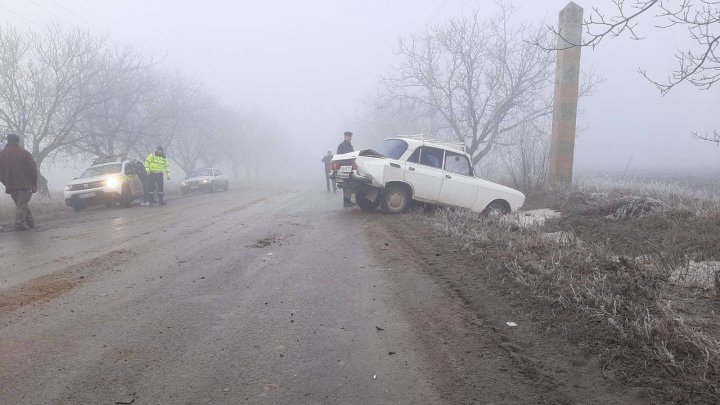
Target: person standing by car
(156,165)
(144,178)
(346,147)
(327,159)
(19,175)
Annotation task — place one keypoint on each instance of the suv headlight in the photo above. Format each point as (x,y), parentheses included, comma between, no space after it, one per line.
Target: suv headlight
(112,182)
(68,188)
(183,184)
(205,181)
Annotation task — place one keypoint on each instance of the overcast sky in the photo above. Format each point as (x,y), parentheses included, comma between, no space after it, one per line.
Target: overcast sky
(312,64)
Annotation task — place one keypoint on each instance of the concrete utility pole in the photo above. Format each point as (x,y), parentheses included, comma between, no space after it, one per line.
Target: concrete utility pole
(567,83)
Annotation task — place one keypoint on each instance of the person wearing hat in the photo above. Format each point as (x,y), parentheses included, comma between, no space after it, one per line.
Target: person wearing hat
(346,147)
(156,165)
(19,175)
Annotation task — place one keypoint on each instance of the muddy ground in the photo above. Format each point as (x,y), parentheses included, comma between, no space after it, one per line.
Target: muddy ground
(265,294)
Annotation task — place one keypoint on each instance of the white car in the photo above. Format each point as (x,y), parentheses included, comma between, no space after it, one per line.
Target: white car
(210,179)
(105,183)
(407,168)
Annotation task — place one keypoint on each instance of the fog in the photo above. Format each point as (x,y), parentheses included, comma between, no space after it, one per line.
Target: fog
(311,67)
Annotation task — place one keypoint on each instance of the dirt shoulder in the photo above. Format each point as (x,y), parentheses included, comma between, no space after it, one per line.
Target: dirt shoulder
(479,357)
(614,299)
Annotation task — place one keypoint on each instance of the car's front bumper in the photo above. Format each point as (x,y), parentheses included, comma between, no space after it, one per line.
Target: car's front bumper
(91,197)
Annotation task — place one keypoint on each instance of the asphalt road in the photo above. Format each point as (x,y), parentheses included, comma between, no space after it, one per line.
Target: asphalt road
(259,294)
(266,294)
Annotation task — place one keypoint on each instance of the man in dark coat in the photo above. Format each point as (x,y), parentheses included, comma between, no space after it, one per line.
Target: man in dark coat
(327,159)
(346,147)
(19,175)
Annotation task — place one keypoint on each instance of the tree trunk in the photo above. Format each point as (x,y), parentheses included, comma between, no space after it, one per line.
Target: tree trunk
(43,189)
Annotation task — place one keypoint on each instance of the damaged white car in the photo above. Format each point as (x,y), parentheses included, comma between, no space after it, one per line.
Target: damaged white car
(407,168)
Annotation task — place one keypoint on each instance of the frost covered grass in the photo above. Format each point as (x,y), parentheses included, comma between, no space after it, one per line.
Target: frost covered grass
(632,273)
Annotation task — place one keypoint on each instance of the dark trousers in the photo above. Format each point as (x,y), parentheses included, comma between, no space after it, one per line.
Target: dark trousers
(144,180)
(156,184)
(22,212)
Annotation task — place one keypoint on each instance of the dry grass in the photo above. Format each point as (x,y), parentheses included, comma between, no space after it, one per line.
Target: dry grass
(625,285)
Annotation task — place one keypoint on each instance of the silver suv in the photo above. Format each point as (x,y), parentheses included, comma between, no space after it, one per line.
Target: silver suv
(109,183)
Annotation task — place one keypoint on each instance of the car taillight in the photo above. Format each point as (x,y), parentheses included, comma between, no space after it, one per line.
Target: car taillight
(334,166)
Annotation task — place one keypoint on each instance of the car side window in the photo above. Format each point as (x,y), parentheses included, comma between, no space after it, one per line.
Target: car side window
(457,163)
(415,157)
(432,157)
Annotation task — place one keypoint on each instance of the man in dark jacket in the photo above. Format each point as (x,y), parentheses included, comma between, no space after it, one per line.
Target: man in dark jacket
(19,175)
(327,159)
(346,147)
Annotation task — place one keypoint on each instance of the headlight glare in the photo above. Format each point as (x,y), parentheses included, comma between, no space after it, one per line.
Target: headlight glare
(112,182)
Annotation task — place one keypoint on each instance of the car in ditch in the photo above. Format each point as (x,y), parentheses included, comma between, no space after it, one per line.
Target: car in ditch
(208,179)
(404,169)
(108,181)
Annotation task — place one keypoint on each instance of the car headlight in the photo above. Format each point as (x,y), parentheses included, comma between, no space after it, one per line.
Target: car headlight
(183,184)
(112,182)
(205,181)
(68,188)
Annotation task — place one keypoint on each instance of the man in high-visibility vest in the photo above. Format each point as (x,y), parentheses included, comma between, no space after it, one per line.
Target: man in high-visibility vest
(156,165)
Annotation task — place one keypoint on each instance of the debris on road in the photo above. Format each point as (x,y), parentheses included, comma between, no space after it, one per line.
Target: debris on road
(379,328)
(511,324)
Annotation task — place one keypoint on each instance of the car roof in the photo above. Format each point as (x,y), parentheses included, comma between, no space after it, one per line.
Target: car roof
(420,140)
(109,163)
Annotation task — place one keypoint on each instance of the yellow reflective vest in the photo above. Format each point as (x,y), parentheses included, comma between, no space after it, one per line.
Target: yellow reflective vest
(157,164)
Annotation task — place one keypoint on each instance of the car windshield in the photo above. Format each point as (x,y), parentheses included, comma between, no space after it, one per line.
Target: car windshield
(392,148)
(101,170)
(201,173)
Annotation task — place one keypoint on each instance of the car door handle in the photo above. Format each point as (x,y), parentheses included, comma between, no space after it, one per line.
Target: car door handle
(447,176)
(412,169)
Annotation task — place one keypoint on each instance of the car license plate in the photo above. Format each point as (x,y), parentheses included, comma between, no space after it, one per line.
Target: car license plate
(345,169)
(86,195)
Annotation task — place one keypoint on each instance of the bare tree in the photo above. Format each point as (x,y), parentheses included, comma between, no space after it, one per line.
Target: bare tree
(387,115)
(485,78)
(134,111)
(526,160)
(699,18)
(48,82)
(190,130)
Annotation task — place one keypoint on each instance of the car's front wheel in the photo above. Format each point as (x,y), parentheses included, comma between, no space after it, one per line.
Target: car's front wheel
(365,204)
(395,200)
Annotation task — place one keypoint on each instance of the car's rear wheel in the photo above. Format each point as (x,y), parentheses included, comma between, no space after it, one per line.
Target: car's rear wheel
(125,196)
(365,204)
(496,208)
(395,200)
